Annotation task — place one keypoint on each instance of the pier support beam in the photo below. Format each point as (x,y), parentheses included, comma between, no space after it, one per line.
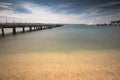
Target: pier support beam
(40,27)
(23,29)
(30,28)
(37,28)
(2,29)
(14,30)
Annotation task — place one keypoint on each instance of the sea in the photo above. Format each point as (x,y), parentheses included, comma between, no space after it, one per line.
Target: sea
(68,38)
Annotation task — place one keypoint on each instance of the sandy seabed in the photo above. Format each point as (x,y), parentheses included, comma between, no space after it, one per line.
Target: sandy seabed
(83,65)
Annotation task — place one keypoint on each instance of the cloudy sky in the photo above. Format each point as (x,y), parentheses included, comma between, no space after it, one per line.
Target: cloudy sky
(60,11)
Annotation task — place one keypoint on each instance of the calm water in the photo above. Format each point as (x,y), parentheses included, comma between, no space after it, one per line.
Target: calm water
(69,38)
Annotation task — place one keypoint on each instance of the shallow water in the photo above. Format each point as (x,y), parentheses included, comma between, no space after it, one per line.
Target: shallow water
(63,39)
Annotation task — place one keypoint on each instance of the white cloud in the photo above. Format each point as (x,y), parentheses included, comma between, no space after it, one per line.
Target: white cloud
(42,14)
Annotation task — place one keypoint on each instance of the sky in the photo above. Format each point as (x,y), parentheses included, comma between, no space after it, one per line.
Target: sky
(60,11)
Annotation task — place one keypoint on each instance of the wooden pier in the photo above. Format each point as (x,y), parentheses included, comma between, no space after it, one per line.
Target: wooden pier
(31,26)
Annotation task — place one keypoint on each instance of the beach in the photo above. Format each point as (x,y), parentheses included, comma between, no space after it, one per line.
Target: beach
(85,65)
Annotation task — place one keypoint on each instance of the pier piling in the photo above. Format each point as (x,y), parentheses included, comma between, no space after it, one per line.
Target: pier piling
(2,29)
(23,29)
(30,28)
(14,30)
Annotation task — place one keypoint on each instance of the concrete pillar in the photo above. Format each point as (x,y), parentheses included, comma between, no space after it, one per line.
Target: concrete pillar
(14,30)
(40,27)
(37,28)
(30,28)
(2,29)
(23,29)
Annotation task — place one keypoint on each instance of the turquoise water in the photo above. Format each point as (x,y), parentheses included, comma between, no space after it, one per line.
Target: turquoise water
(68,38)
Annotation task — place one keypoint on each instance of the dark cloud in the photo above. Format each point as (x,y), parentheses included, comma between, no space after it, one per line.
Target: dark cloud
(110,8)
(72,6)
